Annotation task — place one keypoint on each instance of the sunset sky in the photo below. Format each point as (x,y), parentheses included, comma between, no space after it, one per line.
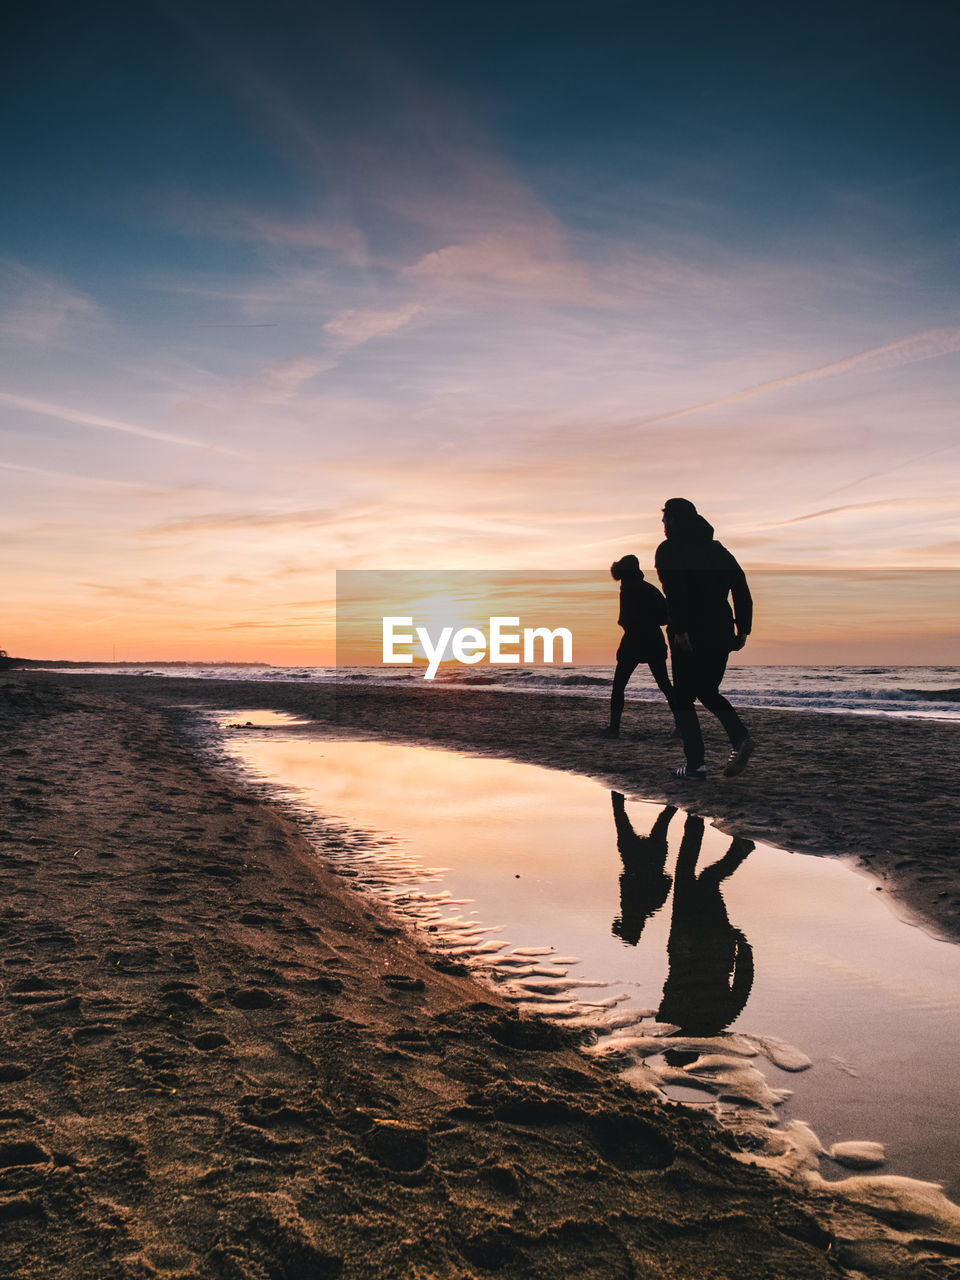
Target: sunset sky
(293,288)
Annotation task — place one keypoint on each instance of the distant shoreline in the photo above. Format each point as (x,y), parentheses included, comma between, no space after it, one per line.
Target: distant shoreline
(140,662)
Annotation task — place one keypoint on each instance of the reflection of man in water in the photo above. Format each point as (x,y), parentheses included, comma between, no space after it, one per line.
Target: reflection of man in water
(644,884)
(711,962)
(643,611)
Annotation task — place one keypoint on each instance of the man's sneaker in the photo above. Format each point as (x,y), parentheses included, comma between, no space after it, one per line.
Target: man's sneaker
(691,775)
(738,758)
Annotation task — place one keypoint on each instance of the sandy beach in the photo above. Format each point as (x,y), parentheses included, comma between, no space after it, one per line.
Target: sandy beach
(220,1061)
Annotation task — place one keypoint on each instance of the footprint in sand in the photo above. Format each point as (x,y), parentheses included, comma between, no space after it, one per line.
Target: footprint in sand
(397,1147)
(253,998)
(34,990)
(92,1031)
(181,996)
(210,1040)
(630,1143)
(403,982)
(19,1153)
(10,1072)
(131,959)
(326,983)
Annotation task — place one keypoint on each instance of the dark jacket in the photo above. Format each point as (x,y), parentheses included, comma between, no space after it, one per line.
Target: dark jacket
(643,611)
(698,575)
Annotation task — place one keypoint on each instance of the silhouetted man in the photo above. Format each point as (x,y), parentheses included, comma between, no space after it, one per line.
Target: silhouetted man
(643,611)
(699,575)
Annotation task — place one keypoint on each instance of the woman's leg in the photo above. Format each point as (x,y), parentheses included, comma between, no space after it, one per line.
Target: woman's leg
(626,666)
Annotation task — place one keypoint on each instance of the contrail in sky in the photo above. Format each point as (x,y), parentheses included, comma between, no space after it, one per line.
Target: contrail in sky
(77,416)
(900,466)
(71,478)
(921,346)
(881,504)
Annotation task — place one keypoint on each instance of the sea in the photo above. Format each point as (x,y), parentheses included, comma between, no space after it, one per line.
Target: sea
(917,693)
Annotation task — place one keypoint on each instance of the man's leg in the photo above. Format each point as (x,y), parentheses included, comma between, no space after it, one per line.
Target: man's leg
(685,683)
(710,671)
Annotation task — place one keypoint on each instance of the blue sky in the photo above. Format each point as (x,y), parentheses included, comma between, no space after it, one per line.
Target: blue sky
(285,291)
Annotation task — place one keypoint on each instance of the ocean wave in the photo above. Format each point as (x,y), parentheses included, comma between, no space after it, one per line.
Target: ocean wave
(511,678)
(843,696)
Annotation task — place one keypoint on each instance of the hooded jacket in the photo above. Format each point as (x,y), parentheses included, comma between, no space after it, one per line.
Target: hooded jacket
(643,611)
(698,575)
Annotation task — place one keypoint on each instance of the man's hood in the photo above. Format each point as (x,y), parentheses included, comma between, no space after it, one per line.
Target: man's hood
(691,529)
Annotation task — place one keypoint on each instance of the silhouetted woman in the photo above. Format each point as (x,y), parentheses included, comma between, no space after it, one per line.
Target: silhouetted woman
(643,612)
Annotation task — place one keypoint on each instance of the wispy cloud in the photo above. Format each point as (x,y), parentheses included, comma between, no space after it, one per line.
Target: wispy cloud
(948,550)
(250,519)
(280,383)
(151,590)
(417,153)
(270,625)
(521,262)
(358,325)
(39,309)
(199,216)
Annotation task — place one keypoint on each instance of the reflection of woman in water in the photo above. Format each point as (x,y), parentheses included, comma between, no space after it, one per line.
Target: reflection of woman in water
(644,884)
(643,611)
(711,962)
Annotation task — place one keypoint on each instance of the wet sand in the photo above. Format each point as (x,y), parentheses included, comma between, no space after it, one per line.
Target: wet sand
(217,1060)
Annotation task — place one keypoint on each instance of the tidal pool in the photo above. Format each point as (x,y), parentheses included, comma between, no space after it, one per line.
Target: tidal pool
(739,975)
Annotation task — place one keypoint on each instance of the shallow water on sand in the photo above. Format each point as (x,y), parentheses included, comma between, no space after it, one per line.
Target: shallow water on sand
(640,920)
